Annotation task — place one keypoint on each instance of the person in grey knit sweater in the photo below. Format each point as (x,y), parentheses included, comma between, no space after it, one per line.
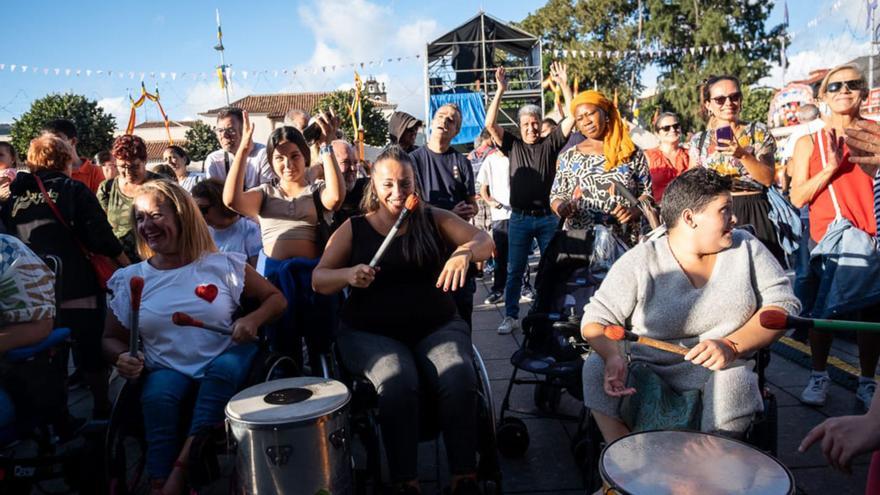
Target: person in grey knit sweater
(702,286)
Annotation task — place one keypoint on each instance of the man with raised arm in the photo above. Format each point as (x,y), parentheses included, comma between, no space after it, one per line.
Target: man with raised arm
(532,170)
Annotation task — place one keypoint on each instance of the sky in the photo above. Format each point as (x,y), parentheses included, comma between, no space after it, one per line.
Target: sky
(64,44)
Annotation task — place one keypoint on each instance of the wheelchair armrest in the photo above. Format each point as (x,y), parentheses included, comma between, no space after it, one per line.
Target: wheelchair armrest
(55,338)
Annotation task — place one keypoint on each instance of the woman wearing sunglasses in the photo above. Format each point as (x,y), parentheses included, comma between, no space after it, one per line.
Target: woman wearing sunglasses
(669,159)
(824,178)
(741,150)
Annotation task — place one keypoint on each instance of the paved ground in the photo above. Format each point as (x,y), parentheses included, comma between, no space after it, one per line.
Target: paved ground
(548,466)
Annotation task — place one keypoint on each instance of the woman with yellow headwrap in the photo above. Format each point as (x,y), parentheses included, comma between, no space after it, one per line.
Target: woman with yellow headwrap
(582,191)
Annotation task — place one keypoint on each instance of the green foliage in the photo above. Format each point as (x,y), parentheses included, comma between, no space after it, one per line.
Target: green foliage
(375,125)
(707,22)
(200,141)
(94,127)
(756,104)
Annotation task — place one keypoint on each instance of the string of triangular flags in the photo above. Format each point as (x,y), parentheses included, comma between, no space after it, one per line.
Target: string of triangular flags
(666,52)
(142,75)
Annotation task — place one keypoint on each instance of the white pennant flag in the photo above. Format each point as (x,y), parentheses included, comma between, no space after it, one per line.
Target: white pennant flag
(564,53)
(12,68)
(24,68)
(45,72)
(78,72)
(2,66)
(88,72)
(244,74)
(67,72)
(717,48)
(162,75)
(142,76)
(174,76)
(99,72)
(131,75)
(692,50)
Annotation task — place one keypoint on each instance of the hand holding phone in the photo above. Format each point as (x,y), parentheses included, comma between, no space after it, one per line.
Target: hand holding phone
(723,133)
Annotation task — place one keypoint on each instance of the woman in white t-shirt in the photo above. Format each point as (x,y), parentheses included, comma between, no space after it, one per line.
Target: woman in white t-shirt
(184,272)
(232,232)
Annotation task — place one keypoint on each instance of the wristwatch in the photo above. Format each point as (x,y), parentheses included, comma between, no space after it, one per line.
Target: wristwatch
(326,148)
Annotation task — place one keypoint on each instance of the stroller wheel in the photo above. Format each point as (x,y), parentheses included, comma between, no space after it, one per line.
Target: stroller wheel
(547,397)
(513,437)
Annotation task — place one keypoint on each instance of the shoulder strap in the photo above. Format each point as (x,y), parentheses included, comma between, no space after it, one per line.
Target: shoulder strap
(821,145)
(702,141)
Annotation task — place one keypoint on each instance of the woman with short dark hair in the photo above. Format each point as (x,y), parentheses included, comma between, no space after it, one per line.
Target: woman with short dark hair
(702,286)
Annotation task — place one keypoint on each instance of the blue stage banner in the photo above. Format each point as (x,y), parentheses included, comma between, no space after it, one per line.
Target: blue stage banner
(473,113)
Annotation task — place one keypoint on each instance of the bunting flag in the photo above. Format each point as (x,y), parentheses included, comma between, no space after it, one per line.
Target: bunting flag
(135,104)
(221,77)
(654,52)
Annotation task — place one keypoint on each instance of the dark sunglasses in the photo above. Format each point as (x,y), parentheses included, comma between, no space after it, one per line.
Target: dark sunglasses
(854,85)
(667,128)
(204,209)
(733,97)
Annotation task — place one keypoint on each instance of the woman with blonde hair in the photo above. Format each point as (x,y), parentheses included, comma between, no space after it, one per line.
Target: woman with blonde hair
(55,215)
(582,191)
(834,188)
(183,271)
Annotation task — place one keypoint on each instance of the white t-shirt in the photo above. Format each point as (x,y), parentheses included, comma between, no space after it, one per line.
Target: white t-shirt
(241,237)
(257,172)
(166,345)
(495,173)
(798,132)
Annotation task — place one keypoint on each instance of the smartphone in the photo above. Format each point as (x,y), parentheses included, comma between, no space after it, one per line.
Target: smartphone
(312,132)
(724,133)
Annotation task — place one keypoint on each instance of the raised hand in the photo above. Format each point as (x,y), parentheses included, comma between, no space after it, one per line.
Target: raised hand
(329,123)
(501,79)
(863,140)
(559,73)
(247,138)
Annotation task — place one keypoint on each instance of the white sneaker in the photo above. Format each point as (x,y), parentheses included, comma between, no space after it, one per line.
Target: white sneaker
(865,392)
(508,325)
(816,391)
(527,295)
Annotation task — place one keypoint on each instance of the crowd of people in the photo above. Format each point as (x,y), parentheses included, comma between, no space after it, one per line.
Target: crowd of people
(292,227)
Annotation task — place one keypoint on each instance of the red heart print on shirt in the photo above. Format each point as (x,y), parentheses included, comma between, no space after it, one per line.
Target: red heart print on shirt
(208,292)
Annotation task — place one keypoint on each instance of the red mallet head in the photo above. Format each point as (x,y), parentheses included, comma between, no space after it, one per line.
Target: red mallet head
(185,320)
(775,320)
(412,201)
(136,286)
(615,332)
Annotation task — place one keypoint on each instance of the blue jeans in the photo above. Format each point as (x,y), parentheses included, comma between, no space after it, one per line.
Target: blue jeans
(521,229)
(165,391)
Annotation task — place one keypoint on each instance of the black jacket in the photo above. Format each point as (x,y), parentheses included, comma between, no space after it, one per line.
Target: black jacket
(28,217)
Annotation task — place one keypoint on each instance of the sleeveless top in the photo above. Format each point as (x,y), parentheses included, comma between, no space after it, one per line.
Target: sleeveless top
(283,218)
(403,302)
(853,188)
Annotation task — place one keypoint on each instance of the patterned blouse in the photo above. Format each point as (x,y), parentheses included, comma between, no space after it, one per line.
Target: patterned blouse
(755,138)
(577,171)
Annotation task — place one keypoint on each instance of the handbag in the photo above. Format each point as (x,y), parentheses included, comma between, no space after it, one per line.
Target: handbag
(655,405)
(102,265)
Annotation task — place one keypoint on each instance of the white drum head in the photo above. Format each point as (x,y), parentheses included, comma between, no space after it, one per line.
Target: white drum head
(684,462)
(290,400)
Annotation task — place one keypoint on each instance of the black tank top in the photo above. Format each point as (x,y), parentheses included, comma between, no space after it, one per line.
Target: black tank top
(403,302)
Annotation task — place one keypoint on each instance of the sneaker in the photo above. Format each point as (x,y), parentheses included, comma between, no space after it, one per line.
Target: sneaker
(865,392)
(494,298)
(817,390)
(508,325)
(527,294)
(489,269)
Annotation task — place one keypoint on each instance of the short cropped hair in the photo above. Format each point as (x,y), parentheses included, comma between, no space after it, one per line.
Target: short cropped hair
(693,190)
(64,127)
(129,148)
(49,152)
(231,112)
(533,110)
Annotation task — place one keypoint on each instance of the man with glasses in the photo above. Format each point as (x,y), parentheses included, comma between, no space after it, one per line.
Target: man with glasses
(229,129)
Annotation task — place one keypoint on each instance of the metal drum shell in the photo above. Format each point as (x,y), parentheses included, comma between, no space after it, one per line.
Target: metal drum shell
(610,486)
(302,456)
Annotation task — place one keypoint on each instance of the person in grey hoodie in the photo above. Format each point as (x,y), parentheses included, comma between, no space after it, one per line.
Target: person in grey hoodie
(402,130)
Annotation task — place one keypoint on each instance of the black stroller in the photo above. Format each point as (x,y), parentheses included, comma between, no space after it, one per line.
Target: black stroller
(551,348)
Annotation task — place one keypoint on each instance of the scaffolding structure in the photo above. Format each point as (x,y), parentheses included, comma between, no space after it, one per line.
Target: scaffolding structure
(465,58)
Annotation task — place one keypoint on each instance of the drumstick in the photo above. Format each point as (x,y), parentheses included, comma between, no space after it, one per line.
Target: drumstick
(779,320)
(185,320)
(615,332)
(412,201)
(136,289)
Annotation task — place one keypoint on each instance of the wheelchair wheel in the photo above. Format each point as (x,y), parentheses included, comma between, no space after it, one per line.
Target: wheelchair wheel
(513,437)
(547,397)
(586,450)
(126,448)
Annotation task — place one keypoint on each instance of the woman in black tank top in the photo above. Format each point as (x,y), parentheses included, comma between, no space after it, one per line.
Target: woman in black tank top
(400,328)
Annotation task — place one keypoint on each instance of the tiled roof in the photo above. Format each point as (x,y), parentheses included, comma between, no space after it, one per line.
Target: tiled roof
(150,124)
(276,105)
(155,148)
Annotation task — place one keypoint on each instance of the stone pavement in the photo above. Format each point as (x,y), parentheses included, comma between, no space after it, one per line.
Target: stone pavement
(548,466)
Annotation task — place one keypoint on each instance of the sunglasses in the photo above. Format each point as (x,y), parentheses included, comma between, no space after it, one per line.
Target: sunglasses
(734,98)
(204,209)
(670,127)
(854,85)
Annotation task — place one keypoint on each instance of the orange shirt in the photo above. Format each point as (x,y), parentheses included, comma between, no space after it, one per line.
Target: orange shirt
(88,174)
(663,170)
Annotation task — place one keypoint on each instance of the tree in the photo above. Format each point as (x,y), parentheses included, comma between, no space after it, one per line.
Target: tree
(94,128)
(592,25)
(375,125)
(756,104)
(707,23)
(200,140)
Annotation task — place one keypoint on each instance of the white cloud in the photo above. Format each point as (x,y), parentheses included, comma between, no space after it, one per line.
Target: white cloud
(117,106)
(824,53)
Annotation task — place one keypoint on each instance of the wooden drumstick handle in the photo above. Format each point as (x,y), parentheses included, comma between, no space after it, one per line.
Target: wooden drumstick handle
(615,332)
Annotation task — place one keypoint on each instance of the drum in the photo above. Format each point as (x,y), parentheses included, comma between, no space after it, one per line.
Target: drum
(291,436)
(688,462)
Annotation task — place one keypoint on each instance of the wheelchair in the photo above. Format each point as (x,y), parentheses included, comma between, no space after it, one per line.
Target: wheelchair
(125,443)
(365,428)
(62,448)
